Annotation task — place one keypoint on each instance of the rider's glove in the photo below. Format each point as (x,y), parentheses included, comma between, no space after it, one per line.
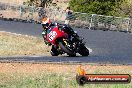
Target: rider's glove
(47,43)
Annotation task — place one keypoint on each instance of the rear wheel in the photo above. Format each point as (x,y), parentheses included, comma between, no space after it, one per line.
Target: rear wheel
(83,51)
(66,49)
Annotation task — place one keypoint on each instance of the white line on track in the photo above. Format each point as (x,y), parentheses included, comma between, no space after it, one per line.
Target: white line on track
(17,34)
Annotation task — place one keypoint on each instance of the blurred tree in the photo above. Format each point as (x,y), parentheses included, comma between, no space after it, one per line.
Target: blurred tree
(126,8)
(103,7)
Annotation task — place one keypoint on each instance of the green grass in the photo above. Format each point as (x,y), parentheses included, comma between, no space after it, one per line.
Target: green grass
(49,81)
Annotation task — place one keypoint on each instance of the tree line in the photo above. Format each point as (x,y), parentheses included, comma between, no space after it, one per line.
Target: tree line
(103,7)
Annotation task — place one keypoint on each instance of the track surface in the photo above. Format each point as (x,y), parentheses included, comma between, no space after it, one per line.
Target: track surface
(107,46)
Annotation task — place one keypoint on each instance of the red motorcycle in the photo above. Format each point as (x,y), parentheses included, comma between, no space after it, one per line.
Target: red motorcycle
(64,40)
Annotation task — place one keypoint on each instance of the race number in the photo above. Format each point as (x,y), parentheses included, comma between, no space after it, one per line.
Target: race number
(52,35)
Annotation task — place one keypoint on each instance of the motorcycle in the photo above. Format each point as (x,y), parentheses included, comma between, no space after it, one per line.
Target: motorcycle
(65,41)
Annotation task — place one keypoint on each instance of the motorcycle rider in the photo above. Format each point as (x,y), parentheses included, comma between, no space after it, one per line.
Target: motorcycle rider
(47,24)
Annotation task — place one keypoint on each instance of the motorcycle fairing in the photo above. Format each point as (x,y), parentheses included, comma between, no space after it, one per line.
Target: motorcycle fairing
(56,33)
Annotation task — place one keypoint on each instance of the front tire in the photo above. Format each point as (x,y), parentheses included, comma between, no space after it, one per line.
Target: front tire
(66,49)
(54,51)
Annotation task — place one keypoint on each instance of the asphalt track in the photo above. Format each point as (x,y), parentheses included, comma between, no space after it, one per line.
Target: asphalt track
(108,47)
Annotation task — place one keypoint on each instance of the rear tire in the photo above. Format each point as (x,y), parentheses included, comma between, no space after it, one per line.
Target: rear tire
(83,51)
(66,49)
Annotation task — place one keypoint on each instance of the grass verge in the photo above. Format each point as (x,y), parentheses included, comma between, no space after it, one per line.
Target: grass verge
(28,75)
(14,45)
(51,81)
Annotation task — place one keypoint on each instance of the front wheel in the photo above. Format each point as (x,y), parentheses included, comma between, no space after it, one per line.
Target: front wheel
(54,51)
(66,49)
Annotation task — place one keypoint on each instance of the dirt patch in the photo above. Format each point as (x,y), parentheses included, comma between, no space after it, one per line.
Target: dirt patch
(31,69)
(18,2)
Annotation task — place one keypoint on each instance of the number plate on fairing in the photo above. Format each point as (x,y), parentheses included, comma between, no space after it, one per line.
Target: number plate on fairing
(52,35)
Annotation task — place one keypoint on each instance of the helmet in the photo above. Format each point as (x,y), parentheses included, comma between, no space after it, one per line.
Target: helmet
(45,22)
